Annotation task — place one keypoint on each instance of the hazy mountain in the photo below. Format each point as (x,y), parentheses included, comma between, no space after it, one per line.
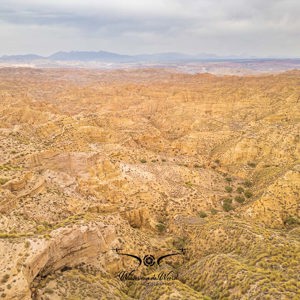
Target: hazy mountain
(96,58)
(109,57)
(115,57)
(22,57)
(89,56)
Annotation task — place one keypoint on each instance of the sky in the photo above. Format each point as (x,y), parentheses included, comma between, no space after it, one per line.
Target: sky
(264,28)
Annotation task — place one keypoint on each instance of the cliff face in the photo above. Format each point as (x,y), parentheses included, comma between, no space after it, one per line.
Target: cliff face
(150,162)
(65,247)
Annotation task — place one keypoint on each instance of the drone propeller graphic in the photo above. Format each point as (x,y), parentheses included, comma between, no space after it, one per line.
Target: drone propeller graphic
(149,260)
(171,254)
(130,255)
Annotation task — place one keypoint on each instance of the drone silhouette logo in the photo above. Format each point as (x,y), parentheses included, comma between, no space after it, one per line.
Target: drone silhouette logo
(149,260)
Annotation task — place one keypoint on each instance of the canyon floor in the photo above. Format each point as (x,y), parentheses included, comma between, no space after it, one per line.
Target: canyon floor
(95,165)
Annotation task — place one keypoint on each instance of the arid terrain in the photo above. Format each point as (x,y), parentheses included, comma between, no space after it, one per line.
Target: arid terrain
(151,162)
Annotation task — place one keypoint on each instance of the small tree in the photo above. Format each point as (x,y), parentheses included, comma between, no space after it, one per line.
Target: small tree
(228,189)
(228,200)
(161,227)
(213,211)
(227,206)
(202,214)
(247,183)
(248,194)
(252,164)
(180,242)
(290,220)
(239,199)
(240,190)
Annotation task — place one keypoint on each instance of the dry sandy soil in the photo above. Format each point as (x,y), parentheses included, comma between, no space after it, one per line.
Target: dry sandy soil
(151,162)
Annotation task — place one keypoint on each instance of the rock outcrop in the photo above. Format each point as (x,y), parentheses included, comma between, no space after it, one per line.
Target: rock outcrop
(66,247)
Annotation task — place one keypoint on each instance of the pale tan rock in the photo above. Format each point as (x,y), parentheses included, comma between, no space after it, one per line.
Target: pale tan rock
(66,247)
(141,217)
(278,202)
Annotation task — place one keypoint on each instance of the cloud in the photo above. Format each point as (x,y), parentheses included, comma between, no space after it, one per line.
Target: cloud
(220,26)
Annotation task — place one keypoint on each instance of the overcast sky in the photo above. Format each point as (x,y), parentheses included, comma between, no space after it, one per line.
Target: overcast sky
(223,27)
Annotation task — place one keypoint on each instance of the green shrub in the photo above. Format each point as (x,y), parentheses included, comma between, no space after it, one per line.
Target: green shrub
(3,180)
(161,227)
(47,236)
(217,161)
(247,183)
(40,228)
(240,190)
(252,164)
(239,199)
(213,211)
(248,194)
(202,214)
(228,179)
(227,206)
(5,278)
(290,220)
(228,189)
(179,242)
(143,160)
(227,200)
(49,291)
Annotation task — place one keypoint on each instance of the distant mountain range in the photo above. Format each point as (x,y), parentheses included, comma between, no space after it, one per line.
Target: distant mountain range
(103,56)
(200,63)
(25,57)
